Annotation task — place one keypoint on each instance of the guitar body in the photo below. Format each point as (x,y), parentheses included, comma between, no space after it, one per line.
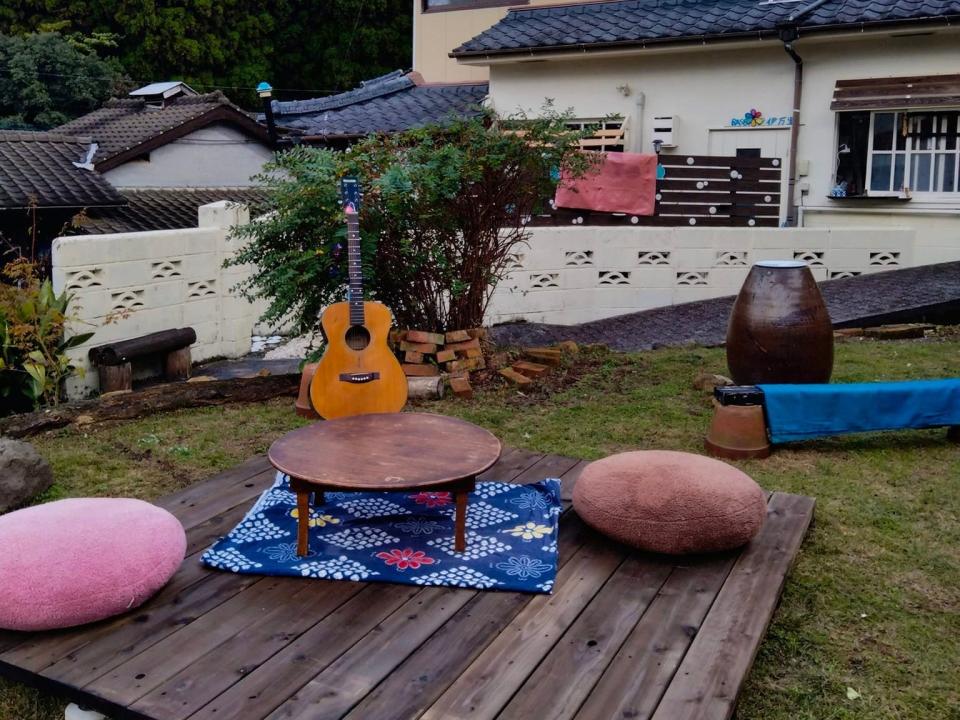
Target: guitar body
(344,382)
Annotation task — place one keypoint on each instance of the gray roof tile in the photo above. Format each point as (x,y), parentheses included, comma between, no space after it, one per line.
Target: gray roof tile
(391,103)
(37,168)
(625,21)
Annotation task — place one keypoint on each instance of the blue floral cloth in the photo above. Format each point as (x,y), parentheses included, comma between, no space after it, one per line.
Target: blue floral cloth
(403,537)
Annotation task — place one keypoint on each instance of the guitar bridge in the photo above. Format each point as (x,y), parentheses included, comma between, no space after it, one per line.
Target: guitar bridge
(359,378)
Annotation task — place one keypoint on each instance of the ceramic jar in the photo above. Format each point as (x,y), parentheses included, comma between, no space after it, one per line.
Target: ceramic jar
(780,330)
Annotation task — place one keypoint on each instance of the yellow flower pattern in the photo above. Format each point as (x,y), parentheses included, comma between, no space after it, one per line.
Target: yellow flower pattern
(316,520)
(530,531)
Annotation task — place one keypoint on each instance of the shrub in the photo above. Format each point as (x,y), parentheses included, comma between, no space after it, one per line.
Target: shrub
(444,209)
(33,360)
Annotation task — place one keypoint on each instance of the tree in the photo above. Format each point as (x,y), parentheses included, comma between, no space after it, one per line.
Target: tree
(47,79)
(312,46)
(443,213)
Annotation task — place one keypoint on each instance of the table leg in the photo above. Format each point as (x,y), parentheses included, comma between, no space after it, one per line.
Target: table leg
(460,536)
(303,522)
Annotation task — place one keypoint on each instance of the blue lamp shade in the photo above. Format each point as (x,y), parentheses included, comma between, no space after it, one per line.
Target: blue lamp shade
(264,89)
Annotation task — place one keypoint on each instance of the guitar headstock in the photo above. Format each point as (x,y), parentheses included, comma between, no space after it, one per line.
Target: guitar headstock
(350,195)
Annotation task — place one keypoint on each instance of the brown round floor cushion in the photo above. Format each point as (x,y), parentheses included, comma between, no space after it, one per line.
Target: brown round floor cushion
(670,502)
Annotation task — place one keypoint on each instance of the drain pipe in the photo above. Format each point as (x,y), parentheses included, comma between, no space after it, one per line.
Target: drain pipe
(789,32)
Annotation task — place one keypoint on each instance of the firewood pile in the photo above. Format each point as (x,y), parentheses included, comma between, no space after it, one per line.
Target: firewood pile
(458,354)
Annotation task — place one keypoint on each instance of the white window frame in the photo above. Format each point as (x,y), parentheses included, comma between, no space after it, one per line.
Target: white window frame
(908,153)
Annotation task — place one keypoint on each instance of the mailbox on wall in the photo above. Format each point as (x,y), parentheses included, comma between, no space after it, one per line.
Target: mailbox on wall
(665,130)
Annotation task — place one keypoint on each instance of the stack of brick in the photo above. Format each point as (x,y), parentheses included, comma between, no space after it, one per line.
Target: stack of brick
(427,354)
(538,362)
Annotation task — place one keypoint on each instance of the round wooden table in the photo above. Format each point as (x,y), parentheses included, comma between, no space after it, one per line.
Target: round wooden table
(389,451)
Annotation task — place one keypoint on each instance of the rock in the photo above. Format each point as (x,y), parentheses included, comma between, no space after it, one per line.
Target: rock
(83,420)
(23,473)
(708,381)
(903,331)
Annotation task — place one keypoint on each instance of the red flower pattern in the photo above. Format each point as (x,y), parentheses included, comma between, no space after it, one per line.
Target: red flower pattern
(406,558)
(431,499)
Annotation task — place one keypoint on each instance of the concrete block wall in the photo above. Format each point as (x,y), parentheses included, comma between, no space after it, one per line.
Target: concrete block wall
(130,284)
(569,275)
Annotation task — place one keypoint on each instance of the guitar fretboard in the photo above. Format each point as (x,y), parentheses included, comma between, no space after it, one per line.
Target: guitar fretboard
(355,268)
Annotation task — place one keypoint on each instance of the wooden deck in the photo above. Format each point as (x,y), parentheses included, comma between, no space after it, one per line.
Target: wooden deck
(624,635)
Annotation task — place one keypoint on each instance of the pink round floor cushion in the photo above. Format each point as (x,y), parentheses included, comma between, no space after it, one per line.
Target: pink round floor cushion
(72,562)
(670,502)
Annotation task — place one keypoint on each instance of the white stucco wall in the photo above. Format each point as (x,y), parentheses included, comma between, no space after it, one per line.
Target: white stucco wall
(704,88)
(214,156)
(575,274)
(130,284)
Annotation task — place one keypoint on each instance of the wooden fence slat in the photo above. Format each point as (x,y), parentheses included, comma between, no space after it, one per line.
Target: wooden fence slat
(724,185)
(728,161)
(709,679)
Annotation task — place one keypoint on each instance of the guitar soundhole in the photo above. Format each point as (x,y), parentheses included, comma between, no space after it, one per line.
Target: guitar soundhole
(358,337)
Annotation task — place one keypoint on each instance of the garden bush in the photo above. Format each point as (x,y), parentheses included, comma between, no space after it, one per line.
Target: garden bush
(444,209)
(33,360)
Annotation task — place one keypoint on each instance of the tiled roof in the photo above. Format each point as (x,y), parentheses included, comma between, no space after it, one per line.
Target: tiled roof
(123,125)
(164,209)
(390,103)
(37,168)
(637,22)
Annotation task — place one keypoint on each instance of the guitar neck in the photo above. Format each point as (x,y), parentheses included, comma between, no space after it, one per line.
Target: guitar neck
(355,269)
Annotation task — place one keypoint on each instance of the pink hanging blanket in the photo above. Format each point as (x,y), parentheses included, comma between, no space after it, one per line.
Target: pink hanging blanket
(622,182)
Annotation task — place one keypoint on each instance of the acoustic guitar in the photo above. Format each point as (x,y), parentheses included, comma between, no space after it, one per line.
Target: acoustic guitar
(358,374)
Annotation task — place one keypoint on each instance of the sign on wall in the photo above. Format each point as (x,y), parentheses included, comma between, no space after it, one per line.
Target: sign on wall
(753,118)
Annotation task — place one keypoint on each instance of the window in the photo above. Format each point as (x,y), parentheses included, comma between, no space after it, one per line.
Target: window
(918,151)
(608,135)
(440,5)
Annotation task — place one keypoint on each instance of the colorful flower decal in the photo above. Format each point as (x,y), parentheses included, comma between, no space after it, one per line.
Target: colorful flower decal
(406,558)
(530,531)
(753,118)
(524,566)
(432,499)
(316,520)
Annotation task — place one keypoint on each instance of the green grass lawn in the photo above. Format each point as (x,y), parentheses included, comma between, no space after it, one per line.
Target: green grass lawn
(873,603)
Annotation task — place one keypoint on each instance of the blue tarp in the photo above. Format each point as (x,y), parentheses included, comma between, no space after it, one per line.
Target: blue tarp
(801,412)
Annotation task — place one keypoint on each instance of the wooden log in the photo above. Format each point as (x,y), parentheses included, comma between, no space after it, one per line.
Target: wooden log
(425,348)
(425,370)
(455,336)
(176,364)
(515,377)
(413,356)
(420,336)
(460,385)
(115,377)
(425,388)
(154,399)
(530,369)
(446,356)
(158,342)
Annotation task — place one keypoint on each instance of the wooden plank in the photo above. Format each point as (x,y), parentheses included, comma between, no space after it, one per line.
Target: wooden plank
(345,682)
(588,646)
(138,674)
(260,692)
(751,174)
(211,487)
(728,161)
(550,466)
(202,509)
(636,678)
(720,185)
(416,684)
(709,679)
(203,680)
(897,103)
(569,479)
(900,89)
(917,79)
(723,198)
(512,462)
(487,685)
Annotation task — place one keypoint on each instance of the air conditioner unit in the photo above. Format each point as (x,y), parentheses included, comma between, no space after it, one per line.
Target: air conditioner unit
(665,130)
